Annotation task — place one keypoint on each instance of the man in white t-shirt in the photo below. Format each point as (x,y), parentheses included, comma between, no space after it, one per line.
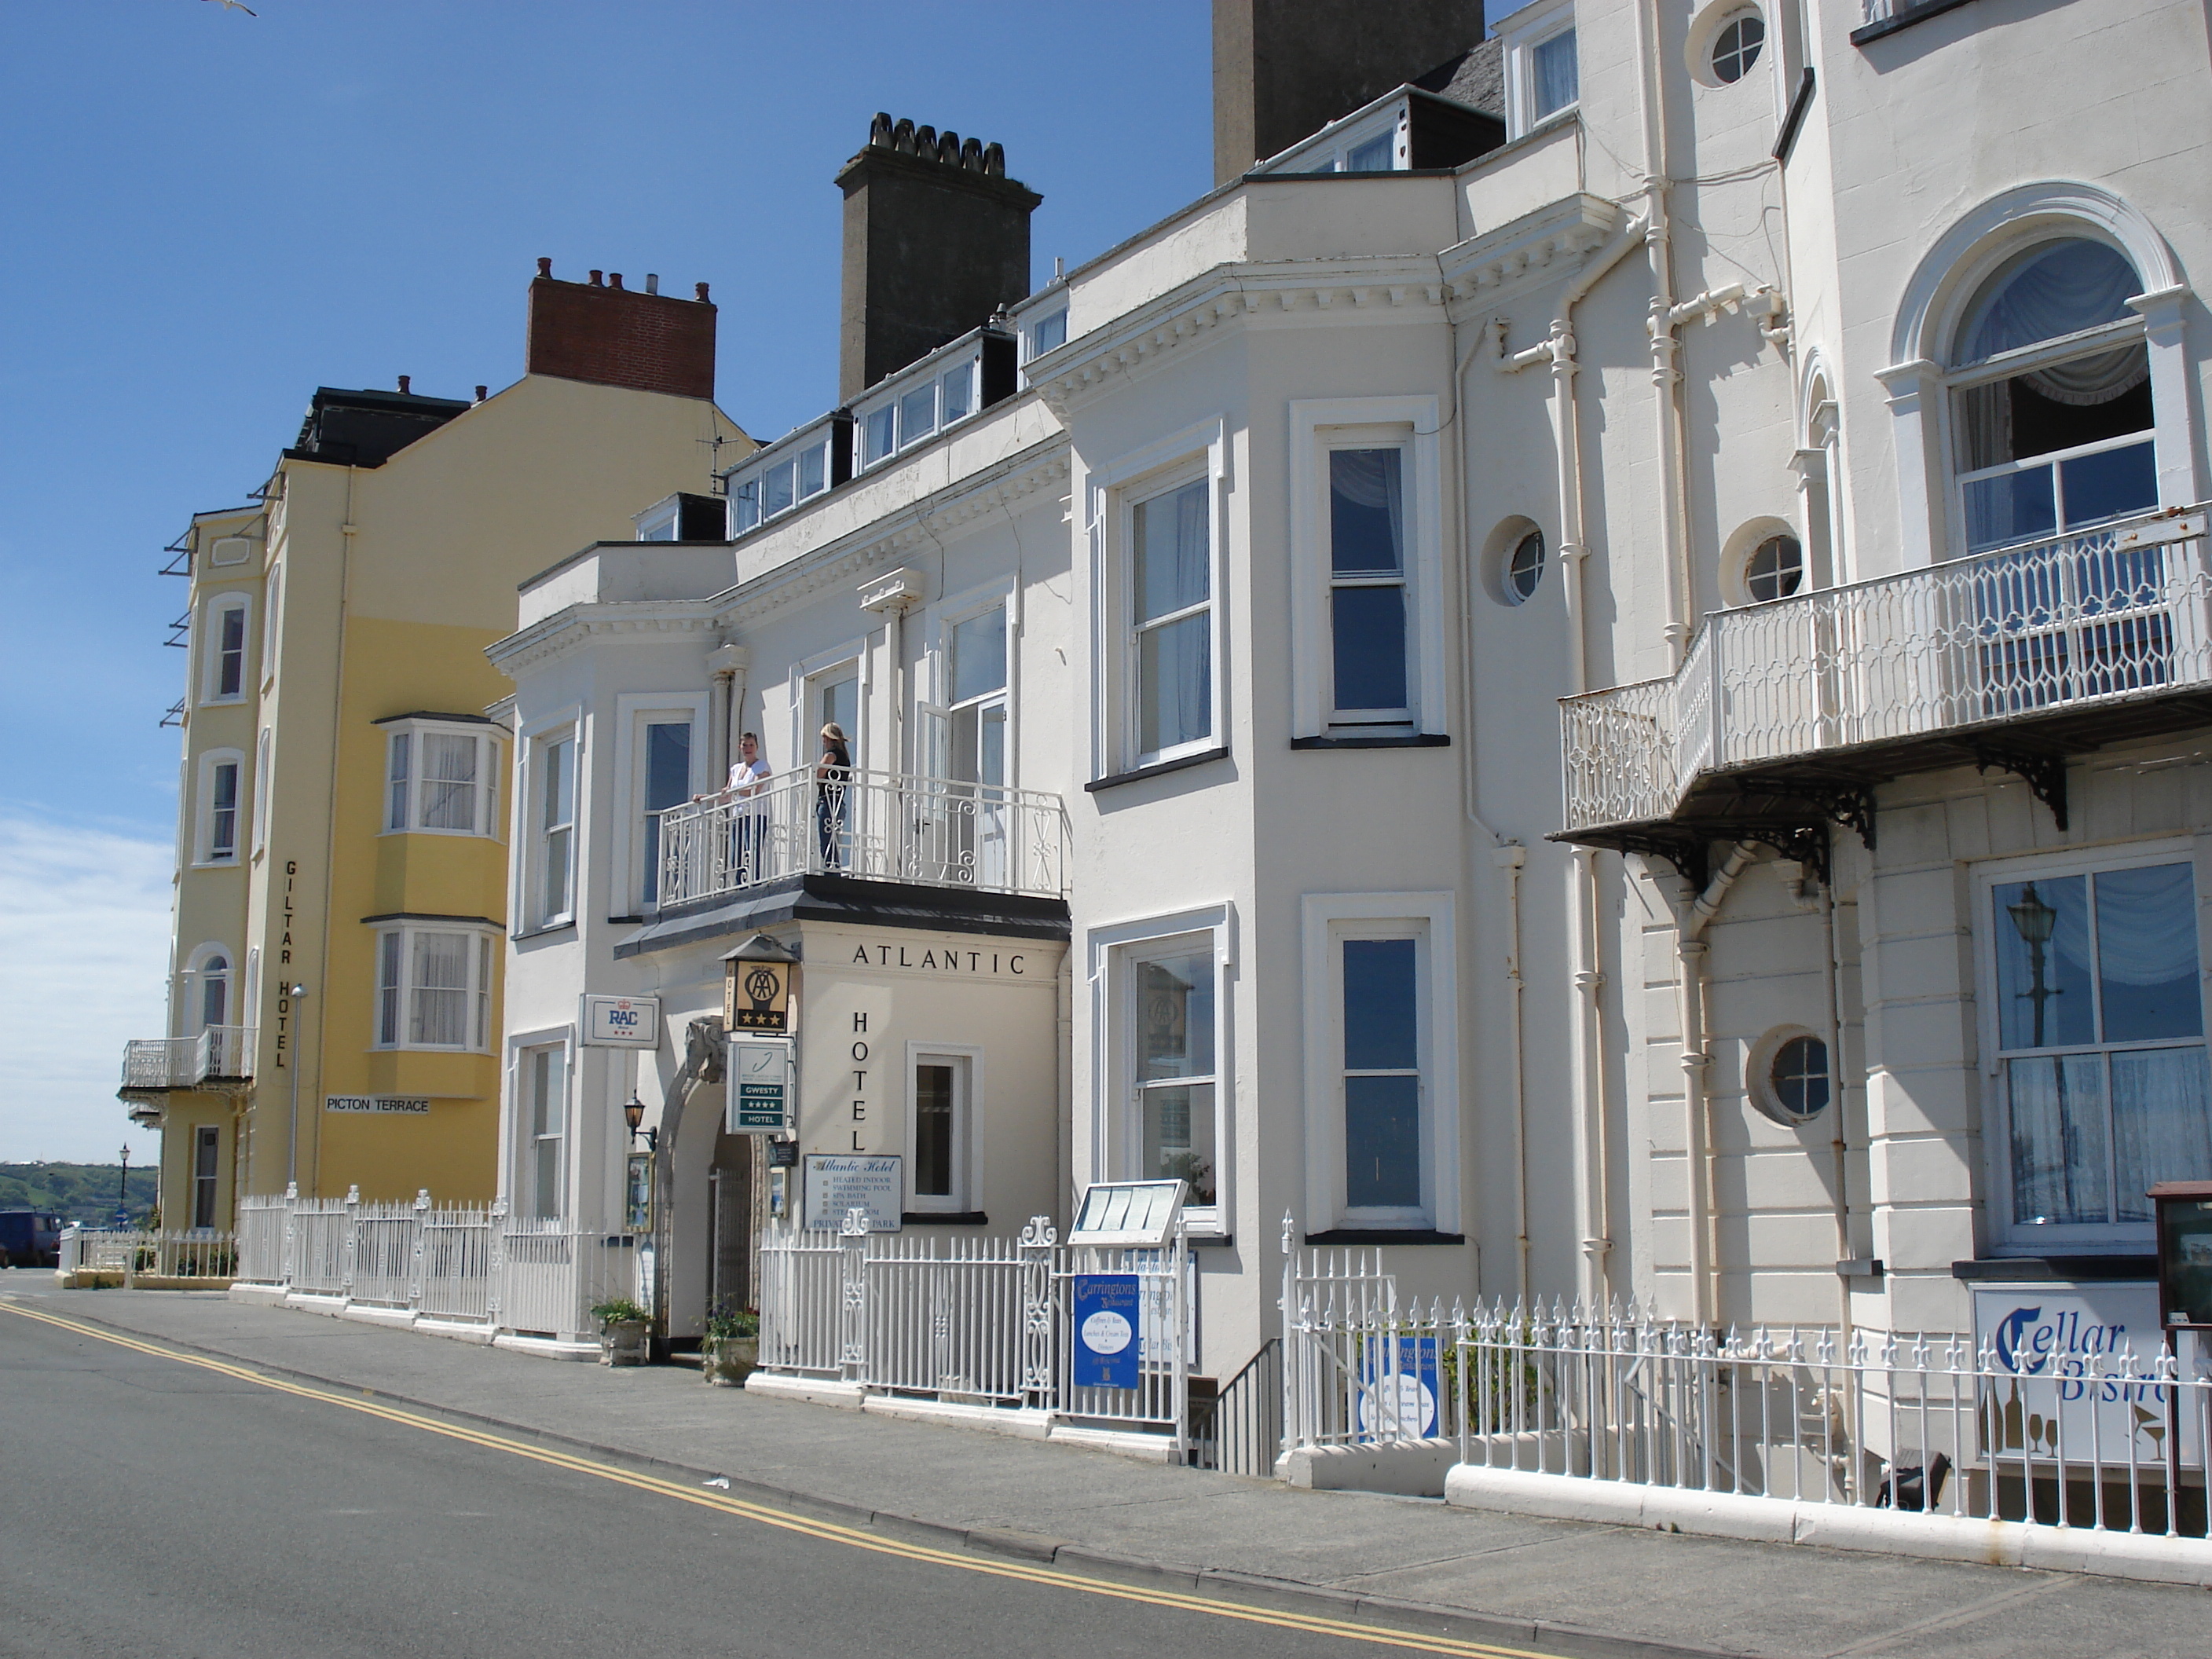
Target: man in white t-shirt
(749,777)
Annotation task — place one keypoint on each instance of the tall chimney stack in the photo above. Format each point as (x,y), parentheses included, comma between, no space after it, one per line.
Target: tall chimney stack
(615,335)
(936,238)
(1283,69)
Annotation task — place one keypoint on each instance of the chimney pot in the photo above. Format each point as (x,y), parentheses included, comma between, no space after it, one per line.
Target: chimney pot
(701,289)
(481,392)
(879,130)
(902,137)
(653,281)
(971,155)
(595,279)
(403,386)
(614,279)
(544,267)
(994,160)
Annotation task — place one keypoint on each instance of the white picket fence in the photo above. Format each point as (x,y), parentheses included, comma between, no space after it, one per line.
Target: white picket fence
(972,1322)
(198,1253)
(530,1275)
(2111,1441)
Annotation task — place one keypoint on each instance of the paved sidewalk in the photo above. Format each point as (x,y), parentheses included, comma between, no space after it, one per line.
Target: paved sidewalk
(1507,1578)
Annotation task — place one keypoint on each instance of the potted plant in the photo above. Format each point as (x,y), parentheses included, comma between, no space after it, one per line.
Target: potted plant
(730,1352)
(623,1328)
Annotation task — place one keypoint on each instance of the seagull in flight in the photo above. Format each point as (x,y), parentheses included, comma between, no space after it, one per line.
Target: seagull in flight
(238,5)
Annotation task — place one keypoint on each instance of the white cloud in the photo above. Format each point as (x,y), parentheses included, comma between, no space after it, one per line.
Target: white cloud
(84,946)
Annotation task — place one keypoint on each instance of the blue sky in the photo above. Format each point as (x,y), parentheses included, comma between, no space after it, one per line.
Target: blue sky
(209,214)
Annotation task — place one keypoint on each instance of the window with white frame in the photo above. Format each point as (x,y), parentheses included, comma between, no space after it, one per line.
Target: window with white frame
(1366,560)
(1367,585)
(434,981)
(2098,1034)
(1542,77)
(912,412)
(223,664)
(261,790)
(2052,427)
(222,773)
(1046,333)
(940,1130)
(1382,1069)
(664,782)
(976,691)
(207,1173)
(1173,1129)
(441,778)
(208,988)
(1170,631)
(780,482)
(272,603)
(552,822)
(541,1078)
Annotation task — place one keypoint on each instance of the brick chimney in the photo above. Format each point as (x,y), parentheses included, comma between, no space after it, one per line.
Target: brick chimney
(1283,69)
(936,238)
(600,331)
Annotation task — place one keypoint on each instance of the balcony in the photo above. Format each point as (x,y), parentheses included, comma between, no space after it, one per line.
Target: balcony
(220,1058)
(1783,716)
(879,826)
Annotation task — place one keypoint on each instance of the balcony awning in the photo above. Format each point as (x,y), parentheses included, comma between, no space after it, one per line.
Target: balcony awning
(855,899)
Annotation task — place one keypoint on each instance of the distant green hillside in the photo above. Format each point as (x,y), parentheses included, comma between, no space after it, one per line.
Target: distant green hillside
(81,1192)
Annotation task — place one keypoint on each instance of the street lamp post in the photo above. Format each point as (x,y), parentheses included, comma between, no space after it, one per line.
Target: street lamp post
(299,994)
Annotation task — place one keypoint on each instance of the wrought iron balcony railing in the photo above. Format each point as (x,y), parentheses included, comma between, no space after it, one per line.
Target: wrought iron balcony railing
(880,826)
(220,1054)
(2098,619)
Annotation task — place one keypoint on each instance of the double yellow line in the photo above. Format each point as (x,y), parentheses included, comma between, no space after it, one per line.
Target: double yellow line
(855,1538)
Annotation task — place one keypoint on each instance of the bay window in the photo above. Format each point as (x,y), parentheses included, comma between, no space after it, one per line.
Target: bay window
(223,645)
(433,985)
(441,777)
(1382,1069)
(222,776)
(1171,620)
(553,824)
(1174,1121)
(1367,585)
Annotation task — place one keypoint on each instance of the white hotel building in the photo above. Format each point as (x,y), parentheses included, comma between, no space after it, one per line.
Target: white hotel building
(1813,396)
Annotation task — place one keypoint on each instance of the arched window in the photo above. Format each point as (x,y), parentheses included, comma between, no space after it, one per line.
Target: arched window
(2050,398)
(208,990)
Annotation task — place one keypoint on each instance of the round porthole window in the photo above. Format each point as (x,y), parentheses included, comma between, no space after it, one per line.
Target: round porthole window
(1776,569)
(1736,45)
(1790,1083)
(1524,569)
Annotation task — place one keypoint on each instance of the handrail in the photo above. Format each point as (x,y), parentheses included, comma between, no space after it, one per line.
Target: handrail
(888,826)
(2116,611)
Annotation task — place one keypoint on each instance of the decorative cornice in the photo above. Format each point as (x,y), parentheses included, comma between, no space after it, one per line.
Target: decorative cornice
(571,625)
(1542,246)
(1190,314)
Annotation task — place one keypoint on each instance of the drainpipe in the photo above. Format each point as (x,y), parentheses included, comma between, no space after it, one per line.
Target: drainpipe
(1690,951)
(1838,1145)
(1557,349)
(1509,860)
(1665,378)
(726,712)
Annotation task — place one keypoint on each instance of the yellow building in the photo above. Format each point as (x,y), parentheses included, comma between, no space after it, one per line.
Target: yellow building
(340,888)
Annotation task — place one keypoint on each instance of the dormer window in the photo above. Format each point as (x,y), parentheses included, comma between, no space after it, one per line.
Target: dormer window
(1542,75)
(916,404)
(1048,333)
(441,776)
(786,474)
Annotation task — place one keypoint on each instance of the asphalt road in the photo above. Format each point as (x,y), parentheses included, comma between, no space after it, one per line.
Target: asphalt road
(154,1506)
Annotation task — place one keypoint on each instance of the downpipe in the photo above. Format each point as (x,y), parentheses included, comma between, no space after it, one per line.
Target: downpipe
(1691,952)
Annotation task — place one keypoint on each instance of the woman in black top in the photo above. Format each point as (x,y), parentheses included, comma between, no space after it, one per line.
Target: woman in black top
(831,773)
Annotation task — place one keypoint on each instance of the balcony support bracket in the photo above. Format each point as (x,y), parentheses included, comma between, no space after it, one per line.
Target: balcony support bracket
(1807,843)
(1847,801)
(2044,775)
(1687,850)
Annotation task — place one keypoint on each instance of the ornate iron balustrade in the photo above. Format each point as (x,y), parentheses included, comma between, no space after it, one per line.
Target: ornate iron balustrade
(881,826)
(2099,617)
(156,1064)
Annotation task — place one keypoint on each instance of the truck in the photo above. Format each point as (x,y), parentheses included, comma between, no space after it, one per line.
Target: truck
(30,1239)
